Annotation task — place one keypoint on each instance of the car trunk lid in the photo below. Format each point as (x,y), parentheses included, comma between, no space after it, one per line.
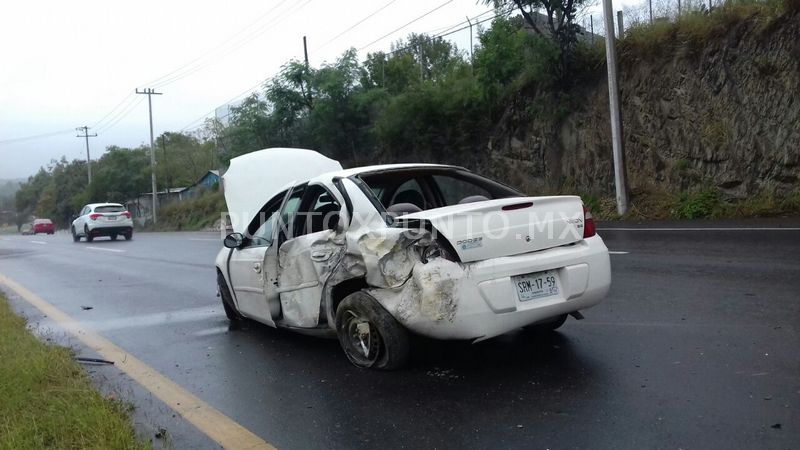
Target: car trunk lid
(506,227)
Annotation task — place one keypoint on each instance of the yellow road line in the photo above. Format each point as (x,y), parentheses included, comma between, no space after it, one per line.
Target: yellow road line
(220,428)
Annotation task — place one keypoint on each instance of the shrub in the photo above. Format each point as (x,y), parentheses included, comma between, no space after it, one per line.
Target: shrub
(697,205)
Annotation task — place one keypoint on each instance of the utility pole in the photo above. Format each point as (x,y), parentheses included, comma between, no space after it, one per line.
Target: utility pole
(471,60)
(650,2)
(616,117)
(166,166)
(305,53)
(88,158)
(620,27)
(591,28)
(149,93)
(421,74)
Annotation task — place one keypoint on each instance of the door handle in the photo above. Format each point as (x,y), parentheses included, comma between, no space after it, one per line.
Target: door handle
(321,255)
(257,267)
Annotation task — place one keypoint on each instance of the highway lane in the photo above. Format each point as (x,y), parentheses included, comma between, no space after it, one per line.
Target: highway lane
(696,346)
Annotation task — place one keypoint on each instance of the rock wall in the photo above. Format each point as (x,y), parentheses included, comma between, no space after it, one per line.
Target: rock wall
(723,114)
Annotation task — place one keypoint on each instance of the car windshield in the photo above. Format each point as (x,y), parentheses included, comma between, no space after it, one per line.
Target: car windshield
(109,209)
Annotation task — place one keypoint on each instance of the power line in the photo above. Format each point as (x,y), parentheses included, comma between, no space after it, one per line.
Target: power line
(130,95)
(448,33)
(36,136)
(246,91)
(218,47)
(353,26)
(244,41)
(409,23)
(120,115)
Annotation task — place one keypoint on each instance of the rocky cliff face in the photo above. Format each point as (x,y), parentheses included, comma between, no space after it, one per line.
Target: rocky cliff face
(723,114)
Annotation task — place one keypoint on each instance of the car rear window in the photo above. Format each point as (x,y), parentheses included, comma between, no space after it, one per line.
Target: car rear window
(44,221)
(109,209)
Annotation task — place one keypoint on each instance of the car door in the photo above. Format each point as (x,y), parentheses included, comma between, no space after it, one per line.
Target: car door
(246,265)
(308,256)
(81,220)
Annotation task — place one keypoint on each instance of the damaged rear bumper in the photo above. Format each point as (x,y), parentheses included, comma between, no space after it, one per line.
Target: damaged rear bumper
(475,301)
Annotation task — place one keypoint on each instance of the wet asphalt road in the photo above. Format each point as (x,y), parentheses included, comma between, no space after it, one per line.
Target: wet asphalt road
(696,346)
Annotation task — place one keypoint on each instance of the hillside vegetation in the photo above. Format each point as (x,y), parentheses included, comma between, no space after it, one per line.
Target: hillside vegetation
(709,129)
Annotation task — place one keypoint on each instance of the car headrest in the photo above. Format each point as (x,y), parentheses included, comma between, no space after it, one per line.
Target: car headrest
(409,196)
(473,199)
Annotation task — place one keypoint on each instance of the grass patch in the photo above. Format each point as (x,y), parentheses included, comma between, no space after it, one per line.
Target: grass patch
(47,401)
(692,28)
(193,214)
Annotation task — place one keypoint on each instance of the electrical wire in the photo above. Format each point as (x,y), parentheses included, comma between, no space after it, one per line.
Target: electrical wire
(218,47)
(409,23)
(36,136)
(121,115)
(238,45)
(353,26)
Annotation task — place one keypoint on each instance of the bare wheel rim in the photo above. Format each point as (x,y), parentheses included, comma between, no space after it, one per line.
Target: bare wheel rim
(363,341)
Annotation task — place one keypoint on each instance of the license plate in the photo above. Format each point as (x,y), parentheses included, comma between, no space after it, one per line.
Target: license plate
(537,285)
(111,217)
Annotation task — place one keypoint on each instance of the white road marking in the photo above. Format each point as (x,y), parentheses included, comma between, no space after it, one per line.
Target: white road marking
(106,249)
(38,242)
(617,253)
(705,229)
(204,239)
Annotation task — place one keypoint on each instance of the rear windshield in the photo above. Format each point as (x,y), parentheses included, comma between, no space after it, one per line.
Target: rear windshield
(109,209)
(44,221)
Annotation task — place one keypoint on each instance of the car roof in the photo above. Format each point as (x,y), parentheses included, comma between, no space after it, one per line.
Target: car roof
(382,167)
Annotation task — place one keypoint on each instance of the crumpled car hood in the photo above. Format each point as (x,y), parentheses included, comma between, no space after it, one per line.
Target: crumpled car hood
(254,178)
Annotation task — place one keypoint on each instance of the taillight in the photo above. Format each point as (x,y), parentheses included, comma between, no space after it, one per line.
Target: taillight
(126,214)
(94,216)
(589,229)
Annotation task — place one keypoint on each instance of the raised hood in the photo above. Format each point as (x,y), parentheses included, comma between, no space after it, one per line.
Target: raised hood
(506,227)
(254,178)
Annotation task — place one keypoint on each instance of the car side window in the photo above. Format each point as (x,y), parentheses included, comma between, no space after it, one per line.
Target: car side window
(455,190)
(288,215)
(319,211)
(260,230)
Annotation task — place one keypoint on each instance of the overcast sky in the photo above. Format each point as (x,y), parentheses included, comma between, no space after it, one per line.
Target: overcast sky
(69,64)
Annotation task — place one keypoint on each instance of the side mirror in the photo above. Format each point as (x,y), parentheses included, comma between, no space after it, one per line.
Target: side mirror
(233,240)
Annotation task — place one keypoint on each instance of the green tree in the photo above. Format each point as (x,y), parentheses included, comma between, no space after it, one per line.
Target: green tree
(557,23)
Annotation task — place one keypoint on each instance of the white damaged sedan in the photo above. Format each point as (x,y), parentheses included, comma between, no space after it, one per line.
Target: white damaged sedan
(371,254)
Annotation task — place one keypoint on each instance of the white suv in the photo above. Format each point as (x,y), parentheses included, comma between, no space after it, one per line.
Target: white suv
(102,219)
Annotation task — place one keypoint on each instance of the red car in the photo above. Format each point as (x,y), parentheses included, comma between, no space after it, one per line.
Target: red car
(43,226)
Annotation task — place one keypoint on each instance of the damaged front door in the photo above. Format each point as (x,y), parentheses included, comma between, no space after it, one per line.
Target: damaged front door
(255,297)
(307,258)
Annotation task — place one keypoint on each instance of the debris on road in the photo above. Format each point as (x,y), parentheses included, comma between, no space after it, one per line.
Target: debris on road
(86,308)
(92,360)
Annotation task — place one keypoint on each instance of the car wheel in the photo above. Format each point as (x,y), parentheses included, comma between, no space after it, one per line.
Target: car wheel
(227,300)
(75,237)
(548,326)
(129,235)
(89,237)
(369,335)
(113,237)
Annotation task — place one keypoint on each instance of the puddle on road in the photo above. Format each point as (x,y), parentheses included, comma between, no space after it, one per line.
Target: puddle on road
(154,320)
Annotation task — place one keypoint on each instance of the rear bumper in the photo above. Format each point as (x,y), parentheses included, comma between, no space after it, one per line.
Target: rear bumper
(476,301)
(108,230)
